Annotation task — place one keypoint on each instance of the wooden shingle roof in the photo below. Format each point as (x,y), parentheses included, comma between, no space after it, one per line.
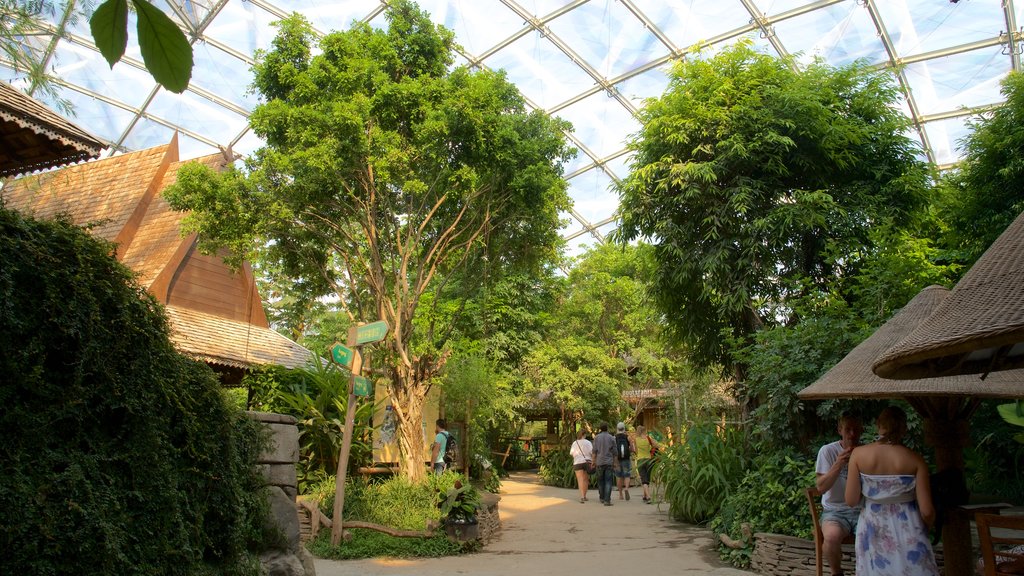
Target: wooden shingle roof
(215,312)
(232,343)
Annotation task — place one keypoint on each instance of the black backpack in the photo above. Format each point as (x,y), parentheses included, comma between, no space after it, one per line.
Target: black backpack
(451,449)
(622,446)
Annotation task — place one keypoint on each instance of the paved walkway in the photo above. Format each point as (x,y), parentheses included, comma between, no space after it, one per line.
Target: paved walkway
(546,530)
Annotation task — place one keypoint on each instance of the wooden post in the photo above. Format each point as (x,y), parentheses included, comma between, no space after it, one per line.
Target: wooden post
(346,444)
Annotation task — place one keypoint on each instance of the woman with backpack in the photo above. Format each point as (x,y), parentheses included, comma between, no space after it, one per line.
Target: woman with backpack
(625,447)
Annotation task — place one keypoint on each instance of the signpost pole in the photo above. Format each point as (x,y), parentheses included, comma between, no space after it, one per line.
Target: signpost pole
(346,448)
(357,336)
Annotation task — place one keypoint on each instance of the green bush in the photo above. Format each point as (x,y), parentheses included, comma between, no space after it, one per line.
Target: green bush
(120,455)
(396,503)
(373,544)
(556,470)
(699,473)
(770,498)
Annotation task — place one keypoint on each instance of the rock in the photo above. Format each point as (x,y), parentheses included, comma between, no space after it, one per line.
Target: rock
(279,563)
(283,516)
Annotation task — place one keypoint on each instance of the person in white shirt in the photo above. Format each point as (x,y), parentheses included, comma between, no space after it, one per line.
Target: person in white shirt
(837,519)
(582,451)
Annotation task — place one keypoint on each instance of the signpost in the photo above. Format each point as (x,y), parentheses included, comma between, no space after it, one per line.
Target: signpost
(367,333)
(361,386)
(358,386)
(342,354)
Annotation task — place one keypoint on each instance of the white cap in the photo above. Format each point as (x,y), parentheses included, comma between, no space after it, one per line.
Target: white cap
(621,427)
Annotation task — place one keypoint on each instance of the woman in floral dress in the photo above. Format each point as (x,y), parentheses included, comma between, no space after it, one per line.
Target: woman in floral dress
(892,532)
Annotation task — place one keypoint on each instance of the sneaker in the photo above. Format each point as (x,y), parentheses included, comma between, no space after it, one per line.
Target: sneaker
(607,503)
(627,494)
(582,500)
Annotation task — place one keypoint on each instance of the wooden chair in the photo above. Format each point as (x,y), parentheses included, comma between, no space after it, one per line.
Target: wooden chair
(998,559)
(814,502)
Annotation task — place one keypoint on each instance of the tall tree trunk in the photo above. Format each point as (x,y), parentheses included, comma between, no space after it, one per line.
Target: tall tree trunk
(408,398)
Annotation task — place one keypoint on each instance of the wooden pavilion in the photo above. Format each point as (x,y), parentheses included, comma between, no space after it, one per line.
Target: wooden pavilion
(33,137)
(216,314)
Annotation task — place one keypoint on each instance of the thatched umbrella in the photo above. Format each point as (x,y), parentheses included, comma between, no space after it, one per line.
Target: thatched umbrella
(979,328)
(945,403)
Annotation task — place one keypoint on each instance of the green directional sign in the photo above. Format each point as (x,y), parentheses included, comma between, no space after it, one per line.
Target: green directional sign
(342,354)
(372,332)
(361,386)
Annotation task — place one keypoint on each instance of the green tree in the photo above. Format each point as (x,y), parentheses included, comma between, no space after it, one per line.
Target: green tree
(385,171)
(987,191)
(749,171)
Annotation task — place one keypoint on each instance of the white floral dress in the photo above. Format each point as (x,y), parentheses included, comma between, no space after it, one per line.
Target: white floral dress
(891,537)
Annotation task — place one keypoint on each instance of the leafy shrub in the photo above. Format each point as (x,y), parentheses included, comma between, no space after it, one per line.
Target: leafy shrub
(770,498)
(373,544)
(317,397)
(121,456)
(699,473)
(556,470)
(396,503)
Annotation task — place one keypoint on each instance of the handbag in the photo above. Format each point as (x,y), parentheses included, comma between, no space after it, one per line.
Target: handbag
(591,468)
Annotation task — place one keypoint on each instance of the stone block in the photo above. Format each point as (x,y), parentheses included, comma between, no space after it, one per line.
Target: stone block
(284,445)
(284,516)
(280,475)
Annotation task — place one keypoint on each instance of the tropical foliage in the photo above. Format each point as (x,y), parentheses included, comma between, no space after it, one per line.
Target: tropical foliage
(121,456)
(388,175)
(749,172)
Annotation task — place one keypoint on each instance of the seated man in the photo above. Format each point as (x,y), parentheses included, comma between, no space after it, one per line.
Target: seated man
(837,519)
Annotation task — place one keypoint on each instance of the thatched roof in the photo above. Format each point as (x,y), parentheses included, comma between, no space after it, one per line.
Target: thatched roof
(852,376)
(979,328)
(33,137)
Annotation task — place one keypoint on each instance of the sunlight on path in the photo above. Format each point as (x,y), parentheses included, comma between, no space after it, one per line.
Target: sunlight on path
(546,530)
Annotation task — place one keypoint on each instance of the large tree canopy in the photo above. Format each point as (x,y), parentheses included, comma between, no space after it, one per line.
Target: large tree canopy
(987,192)
(749,172)
(385,170)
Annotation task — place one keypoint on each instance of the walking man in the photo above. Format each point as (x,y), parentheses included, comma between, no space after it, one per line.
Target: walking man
(625,447)
(604,457)
(437,449)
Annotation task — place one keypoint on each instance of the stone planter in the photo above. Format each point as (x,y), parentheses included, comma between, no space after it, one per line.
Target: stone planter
(462,529)
(778,555)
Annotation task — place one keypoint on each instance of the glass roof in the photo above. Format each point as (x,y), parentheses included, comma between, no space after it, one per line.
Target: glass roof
(590,62)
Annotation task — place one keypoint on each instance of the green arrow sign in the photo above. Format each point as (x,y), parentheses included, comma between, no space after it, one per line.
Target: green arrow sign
(361,386)
(373,332)
(342,354)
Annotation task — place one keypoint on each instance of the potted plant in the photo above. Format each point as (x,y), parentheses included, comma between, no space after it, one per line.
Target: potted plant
(458,510)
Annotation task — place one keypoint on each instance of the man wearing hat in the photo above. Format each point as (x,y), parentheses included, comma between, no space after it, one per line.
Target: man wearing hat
(625,447)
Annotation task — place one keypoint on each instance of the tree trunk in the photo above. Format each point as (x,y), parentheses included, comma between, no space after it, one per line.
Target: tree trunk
(408,398)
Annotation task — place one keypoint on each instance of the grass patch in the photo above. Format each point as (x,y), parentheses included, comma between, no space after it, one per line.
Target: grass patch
(373,544)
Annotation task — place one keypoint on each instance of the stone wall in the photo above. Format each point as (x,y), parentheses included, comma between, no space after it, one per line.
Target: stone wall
(778,555)
(278,466)
(487,516)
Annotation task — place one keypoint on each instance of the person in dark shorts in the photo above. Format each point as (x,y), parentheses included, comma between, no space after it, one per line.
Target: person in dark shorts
(582,452)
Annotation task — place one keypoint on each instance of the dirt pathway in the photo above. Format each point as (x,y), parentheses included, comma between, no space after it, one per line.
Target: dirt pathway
(547,531)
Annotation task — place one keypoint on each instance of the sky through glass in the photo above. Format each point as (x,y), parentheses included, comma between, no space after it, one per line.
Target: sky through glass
(590,62)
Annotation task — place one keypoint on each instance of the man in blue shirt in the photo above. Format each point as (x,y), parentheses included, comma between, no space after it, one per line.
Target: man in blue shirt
(437,449)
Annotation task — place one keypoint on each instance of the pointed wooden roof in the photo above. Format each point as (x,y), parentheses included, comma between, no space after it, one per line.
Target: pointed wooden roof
(979,328)
(33,137)
(852,376)
(216,313)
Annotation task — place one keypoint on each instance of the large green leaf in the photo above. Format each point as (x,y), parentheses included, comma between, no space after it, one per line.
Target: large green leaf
(165,50)
(1012,413)
(109,26)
